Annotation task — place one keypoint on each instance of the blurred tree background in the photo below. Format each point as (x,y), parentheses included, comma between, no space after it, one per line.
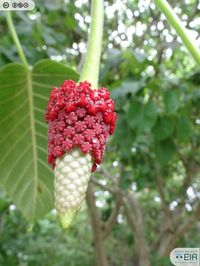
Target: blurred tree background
(144,199)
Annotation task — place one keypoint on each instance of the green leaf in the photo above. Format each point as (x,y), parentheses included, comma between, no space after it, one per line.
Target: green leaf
(142,117)
(183,129)
(25,174)
(165,151)
(70,21)
(135,114)
(163,128)
(172,101)
(124,133)
(128,86)
(149,116)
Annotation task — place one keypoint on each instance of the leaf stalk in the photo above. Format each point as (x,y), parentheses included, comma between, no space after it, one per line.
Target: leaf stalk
(16,39)
(182,32)
(90,70)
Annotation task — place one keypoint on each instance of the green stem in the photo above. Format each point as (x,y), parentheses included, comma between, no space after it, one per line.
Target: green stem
(16,39)
(90,71)
(180,29)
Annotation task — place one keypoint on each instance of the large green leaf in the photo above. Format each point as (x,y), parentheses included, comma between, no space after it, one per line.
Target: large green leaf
(142,117)
(24,172)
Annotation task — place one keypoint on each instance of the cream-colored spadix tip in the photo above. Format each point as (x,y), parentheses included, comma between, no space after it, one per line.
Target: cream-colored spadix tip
(72,174)
(67,218)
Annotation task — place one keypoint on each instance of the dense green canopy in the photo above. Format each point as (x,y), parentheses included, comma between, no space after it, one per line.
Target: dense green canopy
(147,191)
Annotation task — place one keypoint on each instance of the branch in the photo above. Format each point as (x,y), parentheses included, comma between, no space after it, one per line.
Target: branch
(108,225)
(135,220)
(133,214)
(100,254)
(106,173)
(169,239)
(190,222)
(104,187)
(162,196)
(192,167)
(173,219)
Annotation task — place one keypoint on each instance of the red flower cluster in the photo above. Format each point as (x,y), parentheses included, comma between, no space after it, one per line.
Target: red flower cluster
(79,116)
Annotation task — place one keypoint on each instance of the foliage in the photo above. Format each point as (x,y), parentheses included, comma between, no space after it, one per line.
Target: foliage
(155,84)
(44,243)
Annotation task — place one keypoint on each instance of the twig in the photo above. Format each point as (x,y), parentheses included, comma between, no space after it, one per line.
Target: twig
(104,187)
(162,196)
(108,225)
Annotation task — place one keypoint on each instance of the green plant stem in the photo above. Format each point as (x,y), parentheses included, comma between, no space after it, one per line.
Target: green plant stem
(180,29)
(16,39)
(90,71)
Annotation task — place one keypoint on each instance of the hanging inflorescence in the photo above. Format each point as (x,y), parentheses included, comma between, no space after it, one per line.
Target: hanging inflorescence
(79,116)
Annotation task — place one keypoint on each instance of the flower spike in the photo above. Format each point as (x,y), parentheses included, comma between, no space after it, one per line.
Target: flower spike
(80,120)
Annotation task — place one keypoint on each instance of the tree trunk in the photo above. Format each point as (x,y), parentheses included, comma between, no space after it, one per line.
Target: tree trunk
(169,240)
(100,254)
(135,220)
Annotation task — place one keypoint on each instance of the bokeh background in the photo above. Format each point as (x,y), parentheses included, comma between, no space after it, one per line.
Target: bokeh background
(144,200)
